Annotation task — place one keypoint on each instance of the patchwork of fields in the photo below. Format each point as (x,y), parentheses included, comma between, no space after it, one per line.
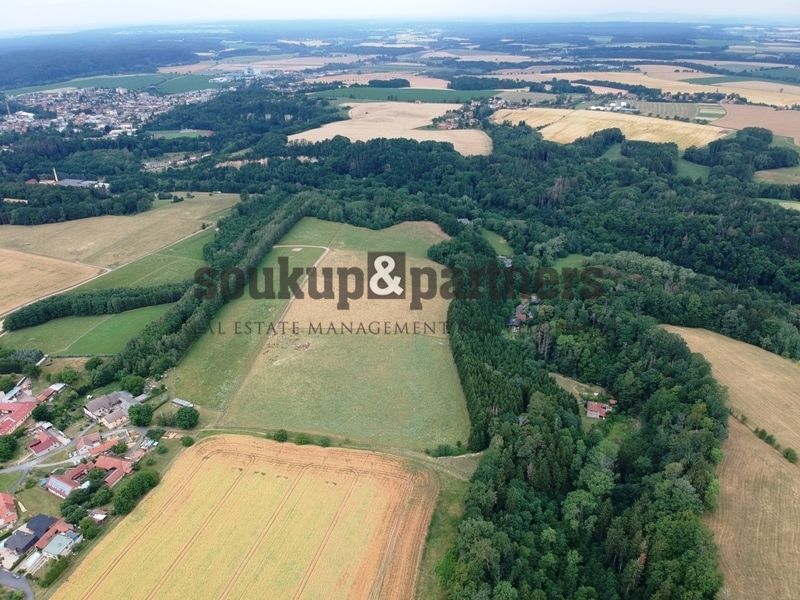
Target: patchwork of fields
(300,522)
(565,126)
(757,521)
(311,382)
(369,121)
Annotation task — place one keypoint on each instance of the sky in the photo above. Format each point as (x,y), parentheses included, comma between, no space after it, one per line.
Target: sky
(42,15)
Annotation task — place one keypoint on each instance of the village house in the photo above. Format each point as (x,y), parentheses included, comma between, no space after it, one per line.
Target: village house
(116,468)
(8,511)
(86,442)
(597,410)
(61,545)
(43,442)
(25,537)
(60,526)
(110,410)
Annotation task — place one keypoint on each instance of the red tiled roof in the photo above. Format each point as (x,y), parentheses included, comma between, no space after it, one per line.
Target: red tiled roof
(42,442)
(104,447)
(45,395)
(60,526)
(8,510)
(14,414)
(118,467)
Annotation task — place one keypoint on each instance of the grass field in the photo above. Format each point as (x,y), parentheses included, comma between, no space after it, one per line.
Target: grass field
(565,126)
(498,242)
(181,133)
(363,78)
(382,390)
(787,176)
(158,82)
(84,336)
(693,170)
(374,120)
(757,521)
(169,265)
(300,522)
(787,204)
(570,261)
(112,241)
(37,500)
(406,94)
(26,277)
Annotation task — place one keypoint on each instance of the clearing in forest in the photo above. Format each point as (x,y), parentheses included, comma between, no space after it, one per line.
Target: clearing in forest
(757,521)
(373,120)
(385,390)
(238,517)
(565,126)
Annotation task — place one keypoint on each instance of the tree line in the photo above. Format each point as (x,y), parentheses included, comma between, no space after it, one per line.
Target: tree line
(100,302)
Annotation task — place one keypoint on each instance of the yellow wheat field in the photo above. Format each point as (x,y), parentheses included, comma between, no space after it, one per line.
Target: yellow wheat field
(372,120)
(238,517)
(565,126)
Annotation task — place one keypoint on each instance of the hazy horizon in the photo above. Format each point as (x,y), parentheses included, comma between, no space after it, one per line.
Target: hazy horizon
(52,16)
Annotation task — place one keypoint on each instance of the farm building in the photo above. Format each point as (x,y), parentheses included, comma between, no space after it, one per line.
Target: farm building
(116,468)
(63,485)
(597,410)
(13,415)
(43,442)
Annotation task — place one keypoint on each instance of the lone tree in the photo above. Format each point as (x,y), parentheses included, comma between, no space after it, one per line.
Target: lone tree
(140,415)
(187,418)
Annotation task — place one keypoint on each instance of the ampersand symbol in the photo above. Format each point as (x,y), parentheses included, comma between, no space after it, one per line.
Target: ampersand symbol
(384,265)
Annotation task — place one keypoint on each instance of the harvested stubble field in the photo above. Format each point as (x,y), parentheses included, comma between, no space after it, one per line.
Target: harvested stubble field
(374,120)
(111,241)
(780,122)
(565,126)
(295,522)
(757,521)
(415,80)
(761,385)
(26,277)
(760,92)
(314,382)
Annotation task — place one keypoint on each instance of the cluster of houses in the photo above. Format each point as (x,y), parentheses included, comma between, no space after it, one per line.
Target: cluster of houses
(620,107)
(114,468)
(36,542)
(17,405)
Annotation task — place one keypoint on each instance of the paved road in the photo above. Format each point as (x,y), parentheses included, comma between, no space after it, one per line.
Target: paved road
(21,584)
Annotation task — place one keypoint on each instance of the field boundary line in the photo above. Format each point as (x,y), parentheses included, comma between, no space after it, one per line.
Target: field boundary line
(217,507)
(234,392)
(149,524)
(263,533)
(326,538)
